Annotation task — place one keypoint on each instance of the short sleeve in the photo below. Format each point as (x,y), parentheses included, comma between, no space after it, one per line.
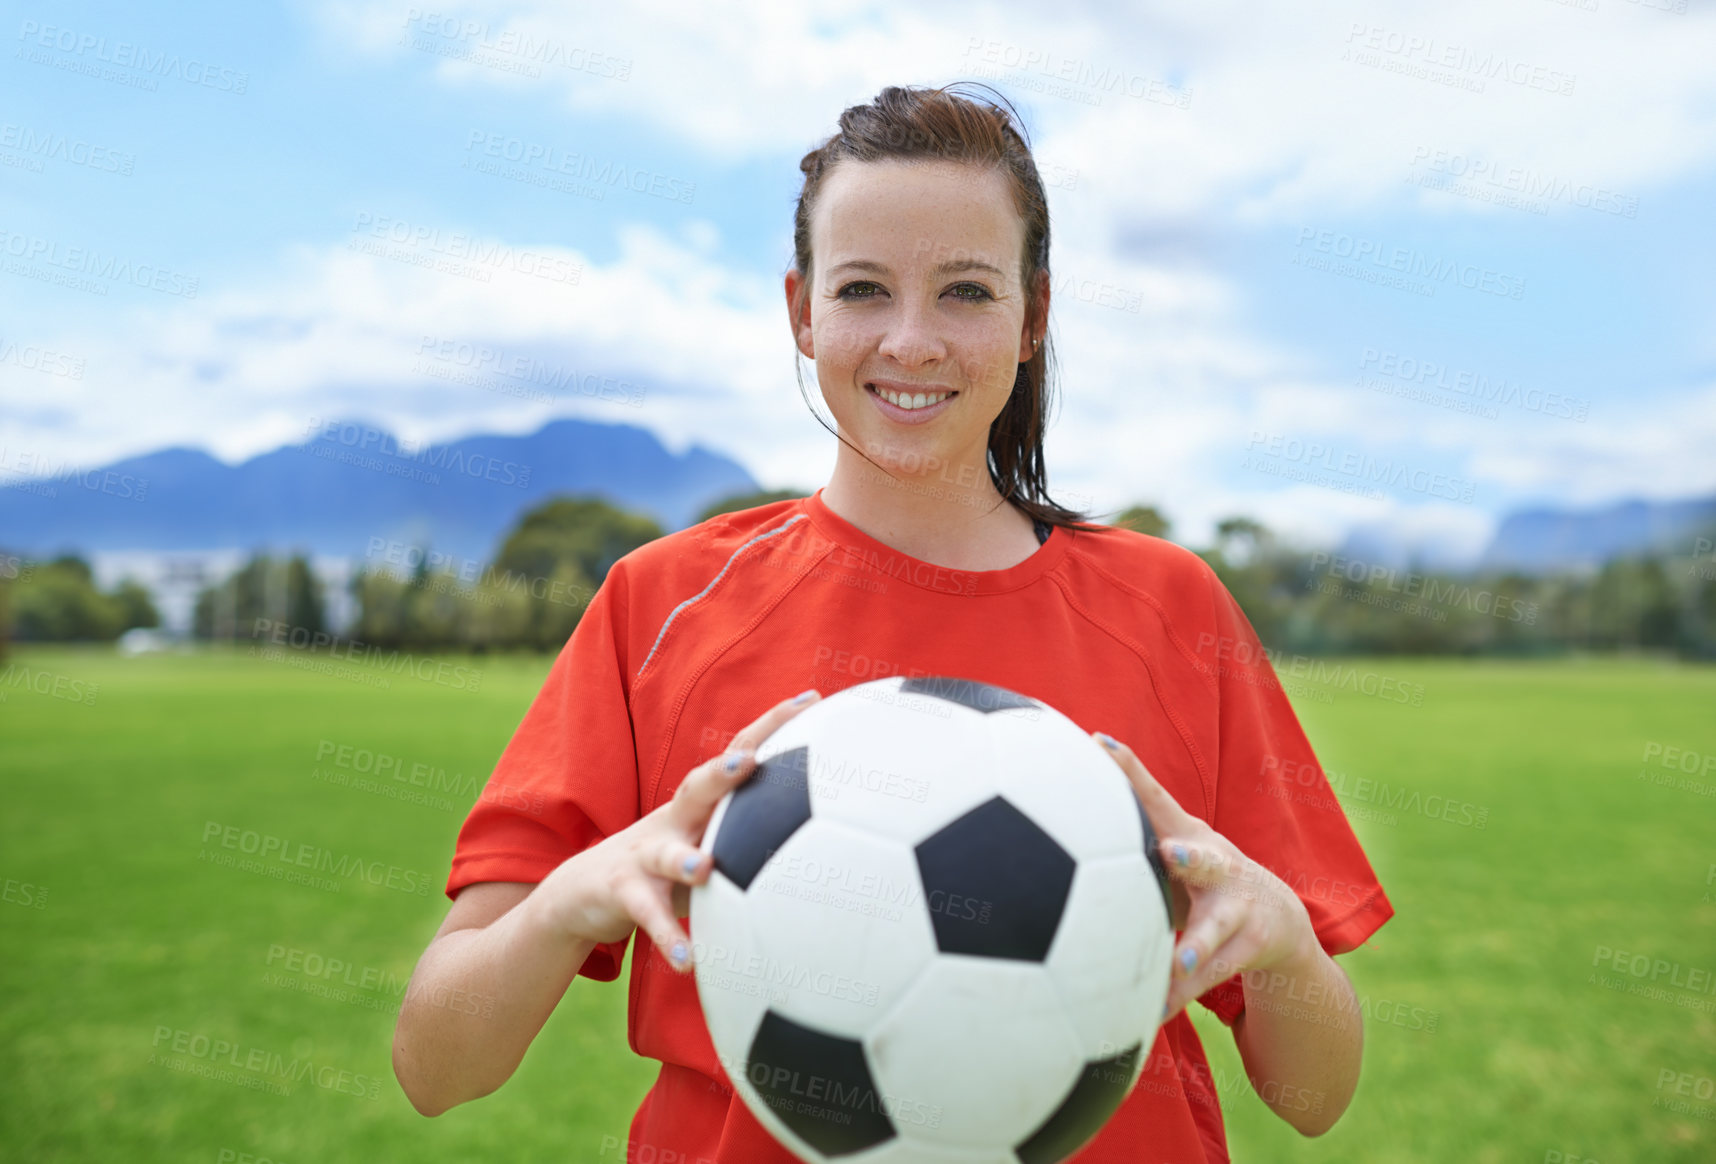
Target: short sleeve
(568,777)
(1273,801)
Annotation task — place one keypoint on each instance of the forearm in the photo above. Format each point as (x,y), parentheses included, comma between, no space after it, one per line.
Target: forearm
(1301,1038)
(477,999)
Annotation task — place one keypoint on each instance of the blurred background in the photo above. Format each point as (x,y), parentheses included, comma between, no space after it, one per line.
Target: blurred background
(344,347)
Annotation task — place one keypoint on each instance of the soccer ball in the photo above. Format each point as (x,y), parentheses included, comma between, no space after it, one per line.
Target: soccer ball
(937,929)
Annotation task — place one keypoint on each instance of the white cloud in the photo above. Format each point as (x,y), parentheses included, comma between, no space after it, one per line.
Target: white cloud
(1154,407)
(335,332)
(1286,114)
(1663,455)
(1156,402)
(689,69)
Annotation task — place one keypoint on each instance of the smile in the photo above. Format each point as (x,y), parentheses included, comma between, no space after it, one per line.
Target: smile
(908,402)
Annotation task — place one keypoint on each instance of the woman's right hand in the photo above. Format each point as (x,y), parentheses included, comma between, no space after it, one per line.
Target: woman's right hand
(641,877)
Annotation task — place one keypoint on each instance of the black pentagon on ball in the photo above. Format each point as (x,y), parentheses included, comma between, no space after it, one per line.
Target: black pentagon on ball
(1153,852)
(1094,1097)
(819,1085)
(995,883)
(980,697)
(766,809)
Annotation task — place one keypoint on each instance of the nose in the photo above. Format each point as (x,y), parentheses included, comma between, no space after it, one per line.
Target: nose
(912,338)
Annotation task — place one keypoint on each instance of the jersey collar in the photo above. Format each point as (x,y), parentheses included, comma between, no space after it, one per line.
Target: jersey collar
(857,551)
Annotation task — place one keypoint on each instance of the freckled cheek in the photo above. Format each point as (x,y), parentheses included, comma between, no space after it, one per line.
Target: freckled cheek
(990,366)
(842,343)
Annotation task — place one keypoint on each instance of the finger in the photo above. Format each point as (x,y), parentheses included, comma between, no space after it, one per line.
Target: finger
(1205,867)
(678,861)
(1233,957)
(650,907)
(1197,962)
(703,788)
(1197,864)
(1166,815)
(754,733)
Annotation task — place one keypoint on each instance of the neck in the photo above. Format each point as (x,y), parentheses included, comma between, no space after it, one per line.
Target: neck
(948,515)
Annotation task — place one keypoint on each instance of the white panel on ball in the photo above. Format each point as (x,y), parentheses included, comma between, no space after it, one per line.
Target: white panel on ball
(854,899)
(1062,780)
(724,947)
(892,765)
(1108,962)
(1001,1078)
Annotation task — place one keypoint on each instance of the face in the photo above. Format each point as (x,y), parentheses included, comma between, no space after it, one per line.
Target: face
(915,314)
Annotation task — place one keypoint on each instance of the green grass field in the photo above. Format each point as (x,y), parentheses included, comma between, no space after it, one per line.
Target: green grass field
(1492,1037)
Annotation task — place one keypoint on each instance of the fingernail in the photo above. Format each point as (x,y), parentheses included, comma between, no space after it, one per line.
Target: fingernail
(690,863)
(1164,1017)
(1107,740)
(678,953)
(803,696)
(734,759)
(1180,857)
(1188,959)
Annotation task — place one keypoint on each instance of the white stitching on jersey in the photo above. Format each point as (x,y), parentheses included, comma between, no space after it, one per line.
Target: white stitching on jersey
(782,528)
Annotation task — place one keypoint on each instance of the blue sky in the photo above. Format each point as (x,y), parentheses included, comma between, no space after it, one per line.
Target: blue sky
(1193,155)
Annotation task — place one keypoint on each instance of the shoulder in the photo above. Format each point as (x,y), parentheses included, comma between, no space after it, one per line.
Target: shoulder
(1157,595)
(693,574)
(1142,566)
(695,547)
(678,565)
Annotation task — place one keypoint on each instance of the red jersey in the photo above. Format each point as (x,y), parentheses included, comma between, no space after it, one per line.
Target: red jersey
(694,635)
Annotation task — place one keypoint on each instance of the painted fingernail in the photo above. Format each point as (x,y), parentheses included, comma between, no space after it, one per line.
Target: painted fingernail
(803,696)
(1180,856)
(1188,959)
(690,863)
(734,759)
(1107,740)
(678,953)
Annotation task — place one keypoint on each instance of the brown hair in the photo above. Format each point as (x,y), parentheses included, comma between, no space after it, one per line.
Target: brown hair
(915,123)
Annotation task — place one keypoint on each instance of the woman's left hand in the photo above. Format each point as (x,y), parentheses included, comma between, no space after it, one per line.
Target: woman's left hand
(1234,914)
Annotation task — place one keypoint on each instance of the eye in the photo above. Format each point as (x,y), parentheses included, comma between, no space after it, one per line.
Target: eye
(863,289)
(975,292)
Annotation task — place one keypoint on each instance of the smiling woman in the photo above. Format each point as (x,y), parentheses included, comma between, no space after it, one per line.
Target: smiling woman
(920,288)
(931,298)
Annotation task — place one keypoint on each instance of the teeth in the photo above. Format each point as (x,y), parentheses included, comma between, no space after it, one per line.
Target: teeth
(911,402)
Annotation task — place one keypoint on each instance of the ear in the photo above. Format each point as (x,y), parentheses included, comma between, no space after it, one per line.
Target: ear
(1036,318)
(799,321)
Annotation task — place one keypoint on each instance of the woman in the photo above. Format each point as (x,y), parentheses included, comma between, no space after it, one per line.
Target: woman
(920,288)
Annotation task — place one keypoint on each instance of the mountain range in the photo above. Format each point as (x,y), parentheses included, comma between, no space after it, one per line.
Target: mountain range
(351,482)
(1534,541)
(1543,539)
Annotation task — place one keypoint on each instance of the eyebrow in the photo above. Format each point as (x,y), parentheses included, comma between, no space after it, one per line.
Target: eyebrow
(952,266)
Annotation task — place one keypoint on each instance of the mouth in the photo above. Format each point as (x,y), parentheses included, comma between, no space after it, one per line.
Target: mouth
(908,406)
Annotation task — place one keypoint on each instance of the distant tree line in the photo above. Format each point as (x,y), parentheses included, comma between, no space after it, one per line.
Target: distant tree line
(531,596)
(547,568)
(543,576)
(59,601)
(1317,602)
(284,590)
